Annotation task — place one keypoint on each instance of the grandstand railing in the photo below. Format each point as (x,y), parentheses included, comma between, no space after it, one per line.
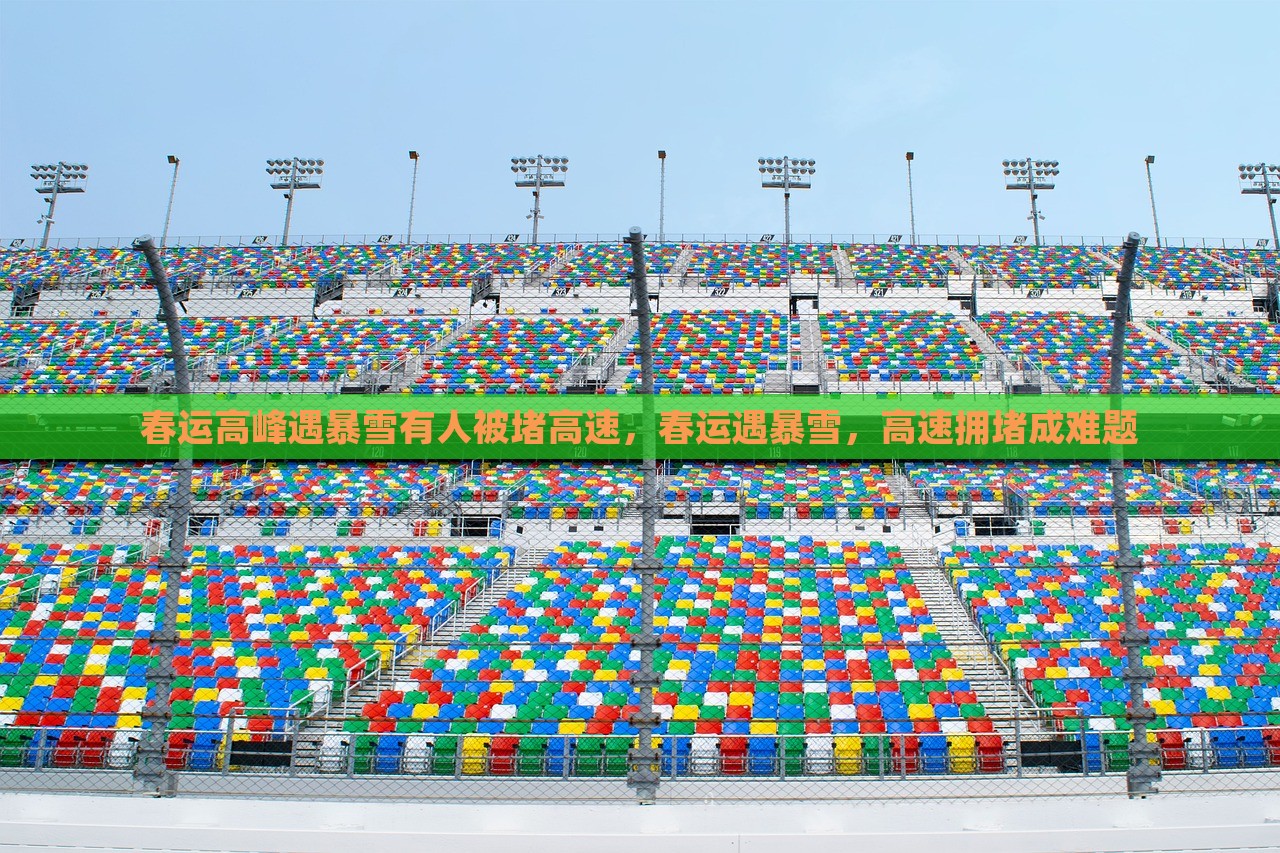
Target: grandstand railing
(273,241)
(583,767)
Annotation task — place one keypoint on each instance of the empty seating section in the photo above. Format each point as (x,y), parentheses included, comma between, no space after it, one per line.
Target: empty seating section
(360,489)
(1084,489)
(609,264)
(1038,266)
(85,486)
(331,349)
(1229,479)
(305,594)
(1250,349)
(49,265)
(1055,611)
(1251,262)
(914,346)
(506,355)
(888,265)
(62,356)
(554,489)
(31,569)
(1074,351)
(1183,268)
(959,482)
(264,628)
(712,352)
(768,490)
(758,264)
(761,636)
(285,489)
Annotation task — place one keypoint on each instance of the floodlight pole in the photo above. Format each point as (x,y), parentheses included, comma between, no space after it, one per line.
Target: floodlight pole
(150,770)
(1151,192)
(662,195)
(911,195)
(413,192)
(644,765)
(54,179)
(786,173)
(1035,212)
(288,204)
(537,199)
(1144,770)
(168,213)
(53,201)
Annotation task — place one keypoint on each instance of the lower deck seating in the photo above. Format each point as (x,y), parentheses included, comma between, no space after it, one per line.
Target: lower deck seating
(1213,611)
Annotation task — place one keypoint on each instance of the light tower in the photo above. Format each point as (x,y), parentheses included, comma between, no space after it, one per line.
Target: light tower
(1155,220)
(1031,175)
(168,213)
(413,192)
(911,195)
(1263,179)
(53,180)
(538,173)
(292,175)
(786,174)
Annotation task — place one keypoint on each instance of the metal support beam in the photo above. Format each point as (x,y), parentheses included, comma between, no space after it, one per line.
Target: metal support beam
(1144,768)
(150,771)
(644,766)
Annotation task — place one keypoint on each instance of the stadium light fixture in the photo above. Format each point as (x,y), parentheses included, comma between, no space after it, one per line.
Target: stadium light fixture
(786,174)
(538,173)
(168,213)
(911,195)
(1263,179)
(413,192)
(53,180)
(1155,220)
(1031,175)
(296,173)
(662,194)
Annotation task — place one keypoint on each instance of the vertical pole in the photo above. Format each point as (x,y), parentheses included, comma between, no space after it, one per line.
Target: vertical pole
(644,767)
(288,205)
(1155,220)
(1143,770)
(53,200)
(1271,206)
(413,192)
(150,771)
(168,213)
(662,196)
(537,196)
(911,195)
(786,219)
(1035,212)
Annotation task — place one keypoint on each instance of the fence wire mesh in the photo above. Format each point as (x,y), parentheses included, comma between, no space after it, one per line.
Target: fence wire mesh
(466,630)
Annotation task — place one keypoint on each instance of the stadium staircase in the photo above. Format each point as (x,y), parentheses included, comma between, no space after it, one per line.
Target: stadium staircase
(967,270)
(1011,710)
(1201,370)
(845,276)
(312,731)
(553,269)
(598,370)
(681,265)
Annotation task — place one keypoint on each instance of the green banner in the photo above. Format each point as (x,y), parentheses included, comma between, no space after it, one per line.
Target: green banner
(764,427)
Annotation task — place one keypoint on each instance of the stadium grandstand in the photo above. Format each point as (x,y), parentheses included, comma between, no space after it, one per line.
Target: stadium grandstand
(477,620)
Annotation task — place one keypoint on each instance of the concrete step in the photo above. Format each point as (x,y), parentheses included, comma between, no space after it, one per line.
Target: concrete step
(1009,708)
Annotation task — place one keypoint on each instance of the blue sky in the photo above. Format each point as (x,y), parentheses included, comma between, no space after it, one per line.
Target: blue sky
(226,85)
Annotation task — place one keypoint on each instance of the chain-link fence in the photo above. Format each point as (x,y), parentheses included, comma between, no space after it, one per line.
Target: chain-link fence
(471,628)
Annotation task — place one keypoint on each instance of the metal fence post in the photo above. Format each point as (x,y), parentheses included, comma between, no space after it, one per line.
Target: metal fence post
(644,766)
(1142,772)
(151,772)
